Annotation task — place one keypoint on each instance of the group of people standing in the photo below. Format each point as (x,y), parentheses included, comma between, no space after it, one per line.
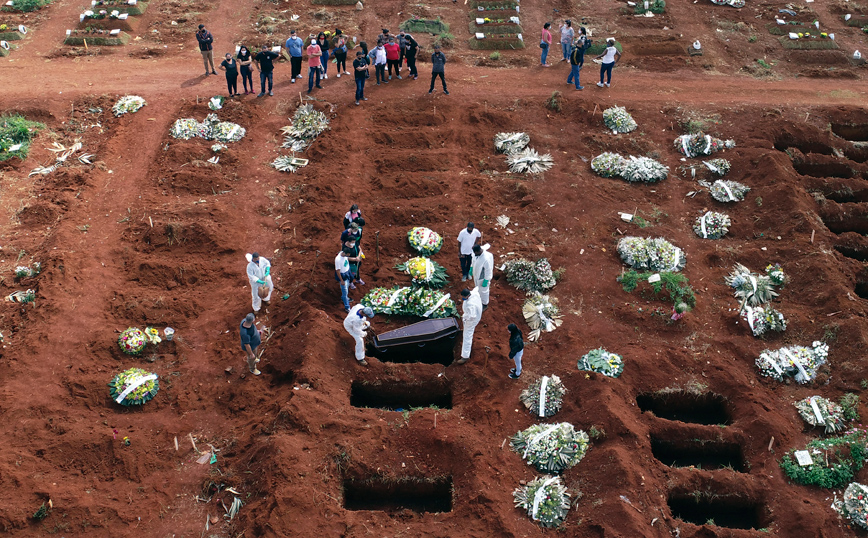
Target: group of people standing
(573,46)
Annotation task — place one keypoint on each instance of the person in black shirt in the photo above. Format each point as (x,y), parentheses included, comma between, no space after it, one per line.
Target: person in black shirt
(245,63)
(516,349)
(323,43)
(360,67)
(264,63)
(231,67)
(410,53)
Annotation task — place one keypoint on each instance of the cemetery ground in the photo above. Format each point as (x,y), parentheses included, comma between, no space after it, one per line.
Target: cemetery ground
(686,442)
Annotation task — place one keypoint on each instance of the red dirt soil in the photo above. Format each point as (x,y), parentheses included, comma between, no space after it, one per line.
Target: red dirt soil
(151,234)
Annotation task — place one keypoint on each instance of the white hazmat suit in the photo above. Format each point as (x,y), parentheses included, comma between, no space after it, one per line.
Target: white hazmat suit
(356,325)
(483,270)
(259,271)
(472,312)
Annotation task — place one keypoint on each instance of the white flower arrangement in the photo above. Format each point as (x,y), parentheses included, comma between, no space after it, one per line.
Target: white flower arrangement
(286,163)
(798,362)
(530,276)
(127,105)
(726,191)
(776,274)
(818,411)
(718,166)
(528,161)
(643,170)
(608,164)
(750,288)
(545,499)
(696,144)
(510,143)
(603,362)
(541,313)
(551,448)
(712,225)
(653,254)
(853,505)
(619,120)
(211,128)
(544,396)
(307,124)
(763,319)
(216,102)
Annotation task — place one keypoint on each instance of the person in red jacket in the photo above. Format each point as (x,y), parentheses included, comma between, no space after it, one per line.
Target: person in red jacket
(393,55)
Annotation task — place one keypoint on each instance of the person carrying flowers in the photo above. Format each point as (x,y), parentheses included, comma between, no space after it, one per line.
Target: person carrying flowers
(259,275)
(471,313)
(482,271)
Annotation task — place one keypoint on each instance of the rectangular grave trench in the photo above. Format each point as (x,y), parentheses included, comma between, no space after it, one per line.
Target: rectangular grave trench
(389,494)
(685,406)
(713,509)
(705,454)
(397,395)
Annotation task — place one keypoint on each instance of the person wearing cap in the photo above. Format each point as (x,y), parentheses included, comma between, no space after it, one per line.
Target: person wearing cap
(438,69)
(259,275)
(609,57)
(567,36)
(355,323)
(250,340)
(471,313)
(482,270)
(314,64)
(393,53)
(467,238)
(360,70)
(412,48)
(354,232)
(295,46)
(206,47)
(343,276)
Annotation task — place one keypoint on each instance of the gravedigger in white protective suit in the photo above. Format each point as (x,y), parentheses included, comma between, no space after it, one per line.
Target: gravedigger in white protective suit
(471,314)
(482,270)
(259,274)
(355,323)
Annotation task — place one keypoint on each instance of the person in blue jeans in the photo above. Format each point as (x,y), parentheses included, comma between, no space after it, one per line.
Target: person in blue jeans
(577,60)
(323,43)
(265,64)
(343,276)
(567,36)
(360,68)
(609,57)
(545,42)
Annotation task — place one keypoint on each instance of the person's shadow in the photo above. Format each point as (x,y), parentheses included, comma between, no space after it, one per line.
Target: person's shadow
(196,81)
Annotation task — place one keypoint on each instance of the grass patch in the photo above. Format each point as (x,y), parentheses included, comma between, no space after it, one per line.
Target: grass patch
(103,40)
(498,30)
(785,29)
(16,130)
(674,286)
(808,44)
(494,5)
(26,6)
(445,40)
(495,43)
(850,404)
(655,6)
(494,56)
(424,26)
(122,7)
(554,101)
(14,35)
(334,2)
(838,460)
(598,47)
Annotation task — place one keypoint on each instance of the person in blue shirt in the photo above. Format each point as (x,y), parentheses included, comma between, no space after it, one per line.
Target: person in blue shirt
(295,46)
(250,340)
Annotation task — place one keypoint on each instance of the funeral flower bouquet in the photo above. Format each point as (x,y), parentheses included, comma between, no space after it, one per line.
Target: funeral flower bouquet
(530,276)
(763,319)
(544,396)
(424,240)
(216,102)
(696,144)
(818,411)
(22,271)
(545,499)
(718,166)
(541,313)
(603,362)
(608,164)
(127,105)
(387,300)
(653,254)
(424,272)
(184,129)
(307,123)
(133,387)
(410,302)
(132,341)
(211,128)
(286,163)
(750,288)
(510,143)
(834,460)
(528,161)
(551,448)
(643,170)
(853,505)
(776,274)
(619,120)
(712,225)
(798,362)
(726,191)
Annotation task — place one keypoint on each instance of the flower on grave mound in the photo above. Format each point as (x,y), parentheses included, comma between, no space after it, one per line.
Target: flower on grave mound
(548,391)
(712,225)
(726,191)
(211,128)
(718,166)
(696,144)
(134,387)
(752,289)
(153,336)
(128,104)
(307,124)
(409,302)
(22,271)
(551,448)
(776,274)
(603,362)
(643,170)
(798,362)
(763,319)
(541,313)
(286,163)
(132,341)
(216,102)
(831,414)
(510,143)
(529,161)
(545,499)
(424,272)
(834,461)
(653,254)
(854,504)
(619,120)
(608,164)
(425,240)
(530,276)
(184,129)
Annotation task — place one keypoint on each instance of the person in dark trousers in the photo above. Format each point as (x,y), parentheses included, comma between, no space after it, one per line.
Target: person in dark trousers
(360,68)
(467,238)
(354,232)
(323,43)
(438,69)
(577,60)
(339,45)
(231,67)
(295,46)
(245,64)
(354,254)
(516,349)
(379,57)
(402,49)
(250,340)
(609,57)
(264,61)
(393,52)
(206,47)
(354,215)
(412,48)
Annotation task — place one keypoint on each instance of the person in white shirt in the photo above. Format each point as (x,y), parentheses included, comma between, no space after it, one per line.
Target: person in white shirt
(466,239)
(343,275)
(380,63)
(609,57)
(259,275)
(471,313)
(482,271)
(355,323)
